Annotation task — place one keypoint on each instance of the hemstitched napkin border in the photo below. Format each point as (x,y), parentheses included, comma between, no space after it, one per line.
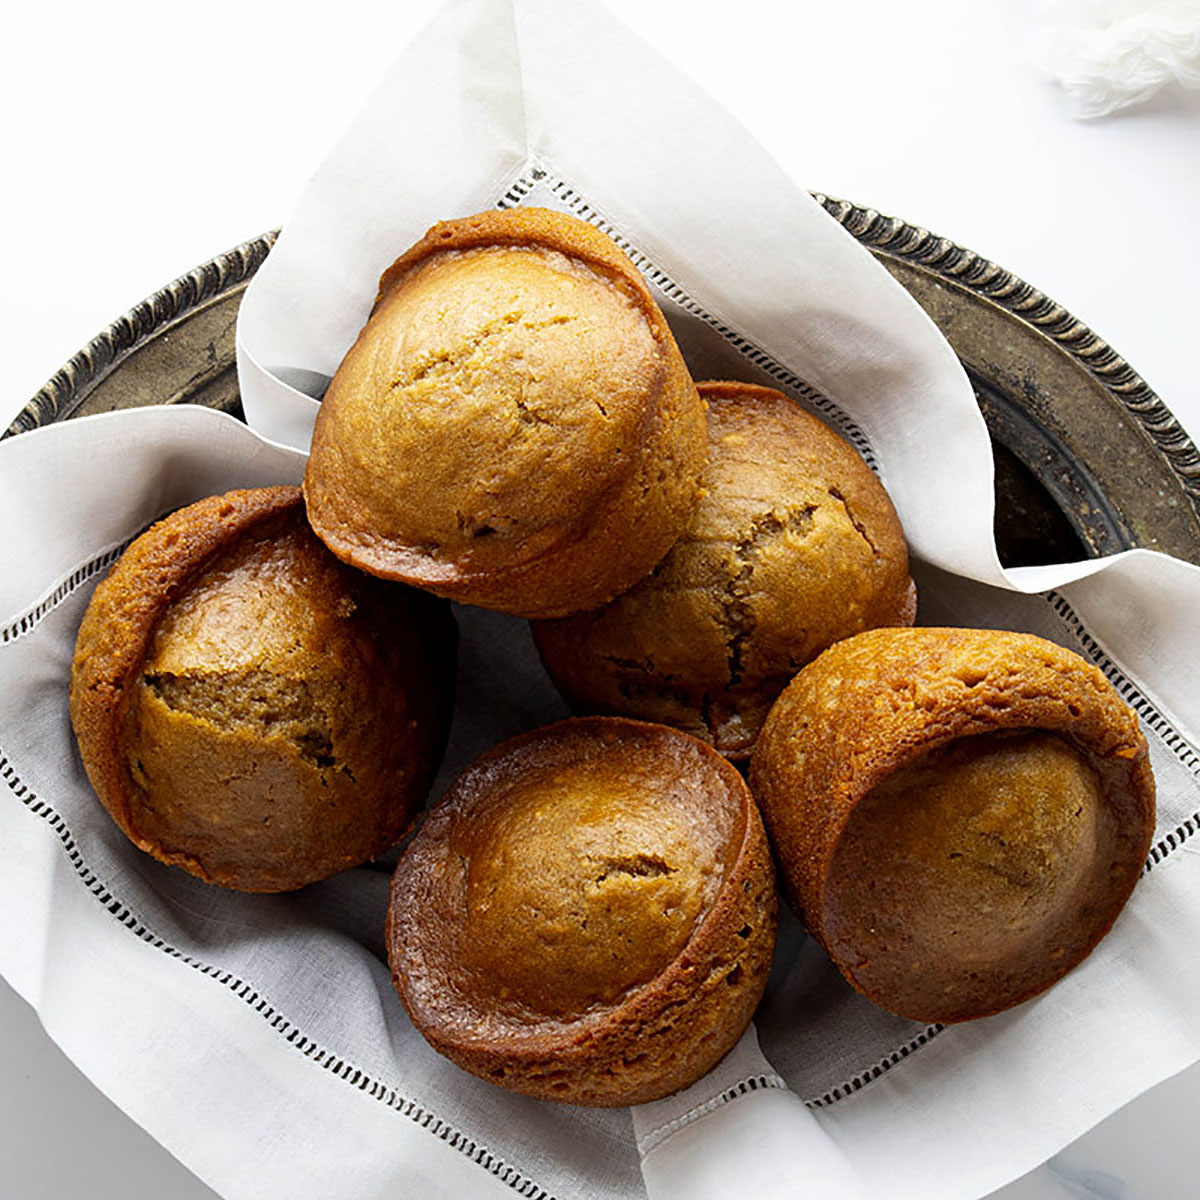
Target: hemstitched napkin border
(537,172)
(25,623)
(532,175)
(295,1037)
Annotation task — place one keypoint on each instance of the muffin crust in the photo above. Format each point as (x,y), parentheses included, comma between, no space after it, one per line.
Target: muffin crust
(514,426)
(249,708)
(588,915)
(958,815)
(793,546)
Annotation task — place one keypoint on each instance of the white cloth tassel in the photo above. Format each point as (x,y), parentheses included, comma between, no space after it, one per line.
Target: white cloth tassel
(1108,54)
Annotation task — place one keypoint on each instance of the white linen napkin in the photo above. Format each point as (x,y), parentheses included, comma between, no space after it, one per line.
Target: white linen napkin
(258,1037)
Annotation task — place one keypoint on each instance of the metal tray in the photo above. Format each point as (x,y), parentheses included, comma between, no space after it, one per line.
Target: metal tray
(1088,459)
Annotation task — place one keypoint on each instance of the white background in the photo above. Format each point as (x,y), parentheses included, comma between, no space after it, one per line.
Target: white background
(139,140)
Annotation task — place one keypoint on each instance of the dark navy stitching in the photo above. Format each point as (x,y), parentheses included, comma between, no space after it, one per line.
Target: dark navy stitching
(24,623)
(408,1108)
(323,1058)
(1145,709)
(759,357)
(1166,845)
(860,1080)
(744,346)
(346,1071)
(1125,688)
(520,189)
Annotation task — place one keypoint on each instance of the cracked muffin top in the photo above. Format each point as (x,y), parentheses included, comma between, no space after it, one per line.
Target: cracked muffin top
(249,708)
(958,815)
(588,915)
(514,426)
(793,546)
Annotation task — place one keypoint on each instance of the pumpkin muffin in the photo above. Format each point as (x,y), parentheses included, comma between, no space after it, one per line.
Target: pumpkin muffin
(794,546)
(249,708)
(588,915)
(958,815)
(514,427)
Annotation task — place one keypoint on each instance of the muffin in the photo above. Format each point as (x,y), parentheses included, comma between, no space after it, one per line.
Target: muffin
(958,815)
(588,915)
(794,546)
(514,427)
(249,708)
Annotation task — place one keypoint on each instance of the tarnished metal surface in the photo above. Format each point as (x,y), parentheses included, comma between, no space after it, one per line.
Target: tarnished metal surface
(1088,459)
(174,348)
(1106,449)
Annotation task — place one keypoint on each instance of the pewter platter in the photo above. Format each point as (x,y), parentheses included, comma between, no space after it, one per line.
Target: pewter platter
(1088,459)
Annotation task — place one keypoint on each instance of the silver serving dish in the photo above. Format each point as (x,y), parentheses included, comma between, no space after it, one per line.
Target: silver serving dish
(1088,459)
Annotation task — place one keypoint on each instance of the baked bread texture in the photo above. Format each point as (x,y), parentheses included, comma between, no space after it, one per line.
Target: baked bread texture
(249,708)
(958,815)
(514,427)
(794,546)
(588,915)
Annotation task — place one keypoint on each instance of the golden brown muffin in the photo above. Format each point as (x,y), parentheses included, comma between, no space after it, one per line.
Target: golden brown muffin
(249,708)
(588,915)
(794,546)
(514,427)
(958,815)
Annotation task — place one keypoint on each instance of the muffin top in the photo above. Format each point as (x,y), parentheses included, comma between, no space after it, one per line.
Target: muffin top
(566,871)
(581,858)
(794,545)
(578,888)
(959,815)
(512,376)
(250,708)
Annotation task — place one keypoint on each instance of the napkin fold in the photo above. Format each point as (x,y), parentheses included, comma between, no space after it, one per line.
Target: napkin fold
(262,1043)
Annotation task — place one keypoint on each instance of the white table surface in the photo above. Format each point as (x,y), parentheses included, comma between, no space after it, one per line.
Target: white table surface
(139,141)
